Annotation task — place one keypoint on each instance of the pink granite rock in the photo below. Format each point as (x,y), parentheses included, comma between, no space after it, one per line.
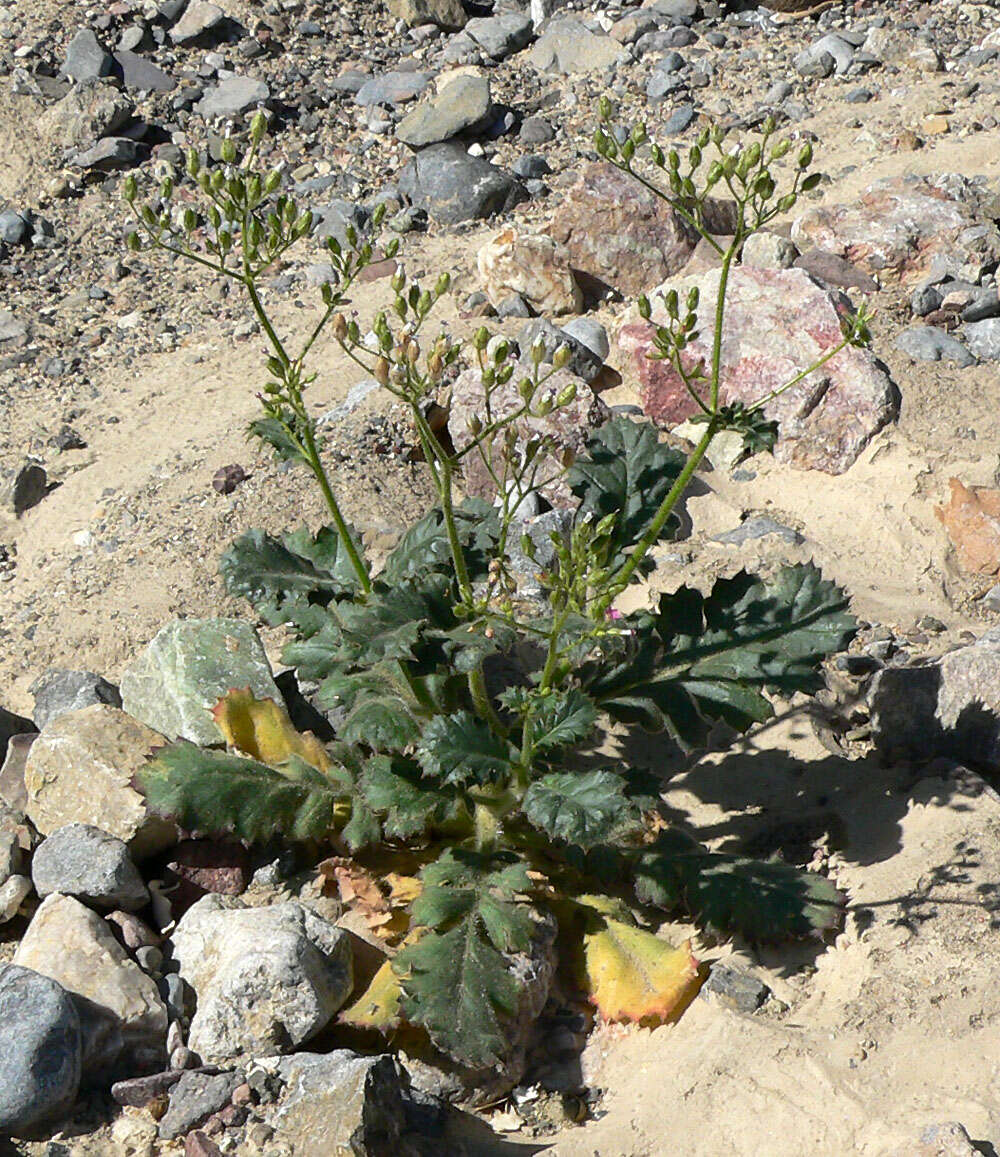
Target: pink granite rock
(569,425)
(777,323)
(902,229)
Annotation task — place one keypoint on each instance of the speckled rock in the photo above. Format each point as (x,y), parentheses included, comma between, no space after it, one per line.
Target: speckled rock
(80,770)
(447,14)
(187,668)
(451,186)
(530,265)
(82,861)
(903,228)
(266,979)
(777,323)
(567,46)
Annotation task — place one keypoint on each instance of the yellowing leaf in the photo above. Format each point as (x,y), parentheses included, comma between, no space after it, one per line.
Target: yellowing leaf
(261,729)
(403,889)
(633,975)
(378,1006)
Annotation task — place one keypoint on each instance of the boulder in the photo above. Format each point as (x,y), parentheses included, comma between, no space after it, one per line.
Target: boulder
(266,979)
(531,265)
(461,106)
(40,1050)
(122,1018)
(82,861)
(902,229)
(187,668)
(777,322)
(948,707)
(569,425)
(567,46)
(80,770)
(619,233)
(451,186)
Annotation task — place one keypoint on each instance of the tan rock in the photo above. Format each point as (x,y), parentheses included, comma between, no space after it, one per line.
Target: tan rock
(971,518)
(447,14)
(534,267)
(124,1021)
(79,770)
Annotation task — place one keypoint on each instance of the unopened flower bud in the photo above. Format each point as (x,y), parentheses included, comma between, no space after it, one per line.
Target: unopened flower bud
(481,338)
(526,388)
(227,150)
(566,394)
(538,351)
(806,156)
(443,284)
(381,372)
(398,280)
(258,126)
(501,351)
(645,309)
(133,242)
(130,189)
(192,163)
(339,327)
(561,357)
(475,424)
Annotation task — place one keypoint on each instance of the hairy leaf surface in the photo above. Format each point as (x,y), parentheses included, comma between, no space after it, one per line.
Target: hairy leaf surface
(213,792)
(408,807)
(261,729)
(425,546)
(763,900)
(563,719)
(456,979)
(626,471)
(582,808)
(461,749)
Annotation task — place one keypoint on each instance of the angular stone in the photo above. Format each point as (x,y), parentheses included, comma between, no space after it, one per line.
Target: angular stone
(23,487)
(340,1102)
(462,106)
(568,425)
(139,1091)
(86,114)
(58,691)
(949,707)
(835,271)
(187,668)
(232,97)
(901,228)
(123,1019)
(769,251)
(80,770)
(108,155)
(735,988)
(267,979)
(198,18)
(983,338)
(446,14)
(947,1139)
(971,518)
(528,264)
(13,893)
(141,74)
(392,88)
(40,1050)
(452,187)
(86,58)
(82,861)
(619,233)
(12,724)
(777,323)
(567,46)
(583,362)
(501,35)
(927,343)
(194,1098)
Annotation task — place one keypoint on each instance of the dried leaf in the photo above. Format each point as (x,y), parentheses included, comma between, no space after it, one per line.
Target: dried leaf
(358,889)
(261,729)
(403,889)
(378,1005)
(635,976)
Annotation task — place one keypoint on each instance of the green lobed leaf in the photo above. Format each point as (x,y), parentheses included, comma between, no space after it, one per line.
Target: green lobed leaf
(274,434)
(763,900)
(425,546)
(563,719)
(213,792)
(382,722)
(582,808)
(288,581)
(456,978)
(625,470)
(408,806)
(461,749)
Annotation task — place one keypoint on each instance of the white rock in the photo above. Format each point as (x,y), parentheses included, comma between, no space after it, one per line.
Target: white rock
(530,265)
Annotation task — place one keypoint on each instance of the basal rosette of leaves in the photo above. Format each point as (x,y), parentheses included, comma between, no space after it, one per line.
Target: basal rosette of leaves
(471,722)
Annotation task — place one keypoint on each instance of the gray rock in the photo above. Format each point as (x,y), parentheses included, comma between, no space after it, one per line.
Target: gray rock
(139,1091)
(536,131)
(927,344)
(451,186)
(680,11)
(984,304)
(838,48)
(542,10)
(531,167)
(760,527)
(194,1098)
(568,47)
(463,106)
(502,35)
(983,339)
(59,691)
(583,361)
(189,666)
(86,58)
(232,97)
(23,487)
(107,155)
(591,334)
(82,861)
(12,724)
(949,707)
(86,114)
(340,1102)
(769,251)
(123,1020)
(266,979)
(539,529)
(40,1050)
(199,18)
(11,855)
(679,120)
(925,299)
(14,229)
(333,219)
(735,988)
(13,893)
(392,88)
(141,74)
